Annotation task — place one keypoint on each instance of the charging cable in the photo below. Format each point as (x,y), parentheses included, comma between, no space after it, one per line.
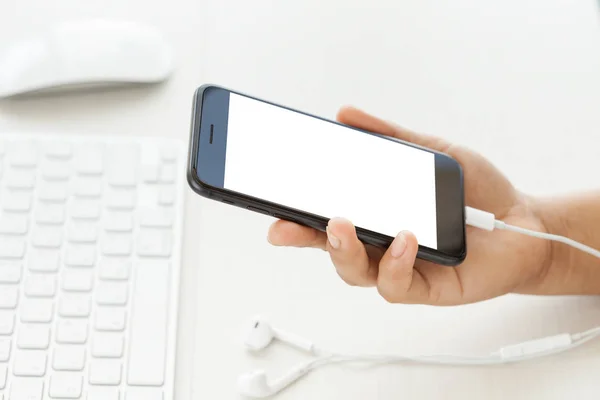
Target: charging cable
(487,221)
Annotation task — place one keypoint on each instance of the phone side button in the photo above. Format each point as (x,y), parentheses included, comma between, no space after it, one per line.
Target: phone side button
(285,218)
(260,210)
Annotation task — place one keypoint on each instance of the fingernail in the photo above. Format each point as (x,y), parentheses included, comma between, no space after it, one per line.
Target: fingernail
(398,246)
(333,240)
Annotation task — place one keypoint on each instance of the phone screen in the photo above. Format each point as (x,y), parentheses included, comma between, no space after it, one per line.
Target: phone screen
(327,169)
(273,159)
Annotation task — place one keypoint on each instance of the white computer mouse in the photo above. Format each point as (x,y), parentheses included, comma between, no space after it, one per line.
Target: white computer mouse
(85,54)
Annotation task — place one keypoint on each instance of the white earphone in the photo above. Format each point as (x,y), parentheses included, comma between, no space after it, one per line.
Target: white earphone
(261,334)
(255,384)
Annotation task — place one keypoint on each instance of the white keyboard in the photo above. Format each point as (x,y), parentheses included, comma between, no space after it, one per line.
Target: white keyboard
(90,236)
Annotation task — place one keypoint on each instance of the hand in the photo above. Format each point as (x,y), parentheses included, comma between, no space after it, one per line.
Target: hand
(497,262)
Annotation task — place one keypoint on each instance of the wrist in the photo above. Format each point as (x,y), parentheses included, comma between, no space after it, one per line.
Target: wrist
(567,270)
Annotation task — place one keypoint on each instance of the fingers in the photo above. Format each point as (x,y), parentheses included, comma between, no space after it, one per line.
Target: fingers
(349,255)
(362,120)
(398,281)
(286,233)
(404,279)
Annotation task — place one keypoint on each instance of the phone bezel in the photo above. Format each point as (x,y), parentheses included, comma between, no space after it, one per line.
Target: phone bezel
(449,190)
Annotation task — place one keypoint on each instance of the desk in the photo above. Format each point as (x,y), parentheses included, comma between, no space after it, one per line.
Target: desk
(518,80)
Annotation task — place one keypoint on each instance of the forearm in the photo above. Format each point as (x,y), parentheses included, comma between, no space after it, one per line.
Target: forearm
(571,271)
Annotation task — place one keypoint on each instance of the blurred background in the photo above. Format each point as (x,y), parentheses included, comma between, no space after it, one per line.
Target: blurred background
(517,80)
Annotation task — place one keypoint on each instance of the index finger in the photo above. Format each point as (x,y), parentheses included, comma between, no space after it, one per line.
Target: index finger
(286,233)
(359,119)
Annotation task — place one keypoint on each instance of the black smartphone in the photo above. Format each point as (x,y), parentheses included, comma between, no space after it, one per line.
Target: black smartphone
(271,159)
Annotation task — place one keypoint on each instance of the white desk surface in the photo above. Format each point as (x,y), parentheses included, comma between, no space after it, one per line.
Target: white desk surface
(518,80)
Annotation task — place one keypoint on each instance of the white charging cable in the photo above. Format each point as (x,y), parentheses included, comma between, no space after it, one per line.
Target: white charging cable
(255,384)
(487,221)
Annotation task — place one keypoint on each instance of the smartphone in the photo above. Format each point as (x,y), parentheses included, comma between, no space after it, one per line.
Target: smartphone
(291,165)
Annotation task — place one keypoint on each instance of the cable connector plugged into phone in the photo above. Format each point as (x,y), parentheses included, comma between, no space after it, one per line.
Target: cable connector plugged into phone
(487,221)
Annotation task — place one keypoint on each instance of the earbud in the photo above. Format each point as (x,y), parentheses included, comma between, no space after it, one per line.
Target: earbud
(255,384)
(261,334)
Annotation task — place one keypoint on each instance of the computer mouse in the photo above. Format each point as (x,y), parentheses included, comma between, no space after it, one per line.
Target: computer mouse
(84,54)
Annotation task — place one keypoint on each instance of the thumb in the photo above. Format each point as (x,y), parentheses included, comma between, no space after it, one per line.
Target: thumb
(397,281)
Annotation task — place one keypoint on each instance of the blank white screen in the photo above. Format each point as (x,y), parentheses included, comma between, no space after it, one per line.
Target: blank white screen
(329,170)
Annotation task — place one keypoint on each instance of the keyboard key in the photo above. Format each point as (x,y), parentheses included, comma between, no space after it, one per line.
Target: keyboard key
(55,171)
(53,192)
(107,345)
(7,322)
(9,296)
(58,150)
(10,272)
(118,221)
(166,197)
(12,248)
(114,269)
(26,389)
(75,305)
(14,224)
(87,187)
(65,385)
(147,341)
(168,173)
(3,373)
(89,160)
(77,280)
(82,232)
(116,244)
(102,393)
(72,331)
(40,285)
(5,346)
(154,243)
(20,179)
(109,319)
(127,178)
(81,256)
(169,154)
(43,260)
(138,393)
(122,172)
(105,372)
(156,219)
(33,336)
(68,358)
(23,154)
(85,209)
(50,214)
(16,201)
(46,237)
(30,363)
(111,293)
(150,174)
(120,199)
(36,310)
